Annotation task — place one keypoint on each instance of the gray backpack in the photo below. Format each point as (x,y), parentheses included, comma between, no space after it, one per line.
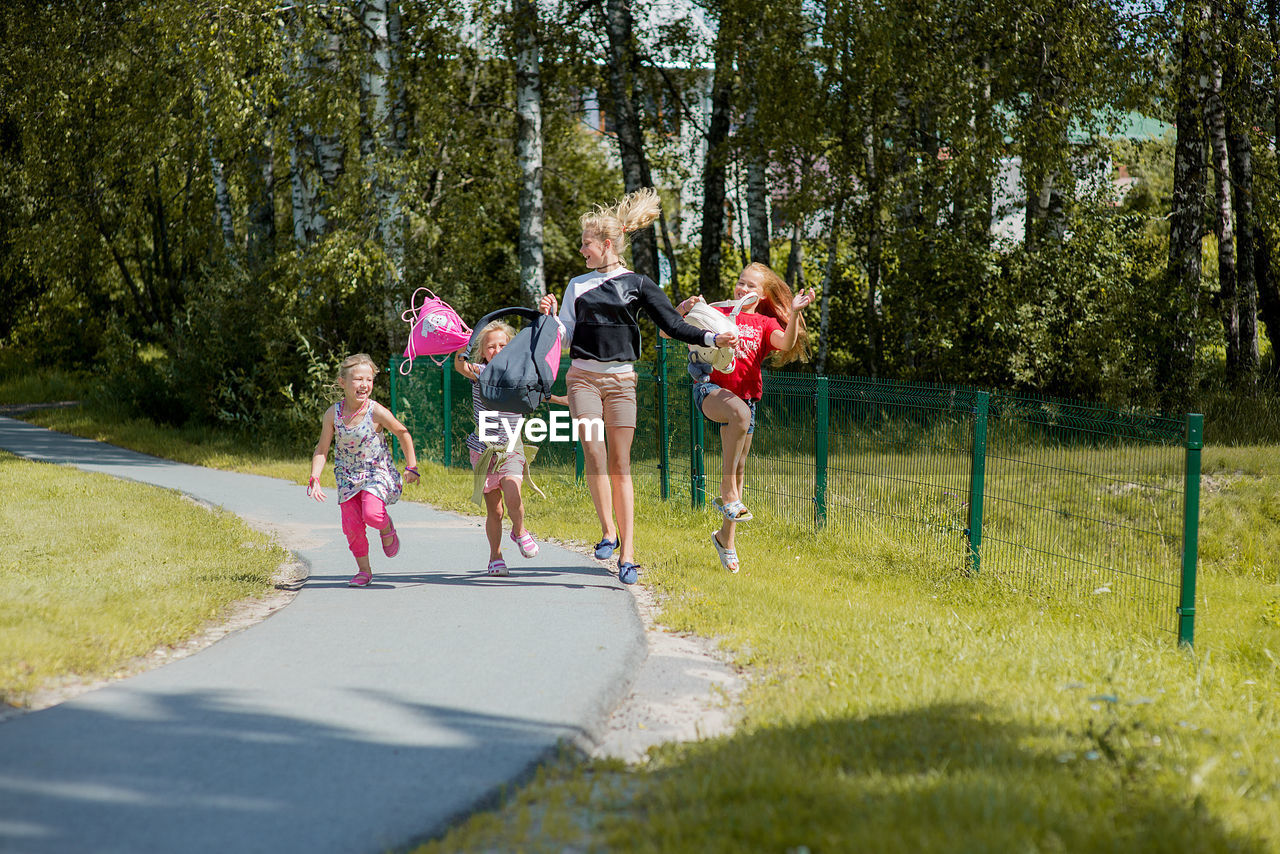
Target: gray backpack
(520,377)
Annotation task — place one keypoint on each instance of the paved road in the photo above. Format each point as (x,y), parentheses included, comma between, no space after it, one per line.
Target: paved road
(351,720)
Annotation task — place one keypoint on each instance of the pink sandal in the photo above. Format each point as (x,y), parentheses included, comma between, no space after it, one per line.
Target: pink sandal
(392,548)
(528,547)
(498,567)
(361,579)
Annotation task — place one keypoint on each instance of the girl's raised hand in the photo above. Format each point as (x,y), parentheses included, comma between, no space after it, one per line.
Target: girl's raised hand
(802,299)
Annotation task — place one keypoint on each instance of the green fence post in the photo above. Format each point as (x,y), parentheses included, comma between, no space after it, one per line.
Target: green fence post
(391,368)
(977,479)
(821,427)
(697,477)
(1190,530)
(660,396)
(446,391)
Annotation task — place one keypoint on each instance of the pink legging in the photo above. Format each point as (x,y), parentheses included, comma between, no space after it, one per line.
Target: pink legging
(361,509)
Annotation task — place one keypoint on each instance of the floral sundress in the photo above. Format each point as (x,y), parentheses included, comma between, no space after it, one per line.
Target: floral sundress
(362,459)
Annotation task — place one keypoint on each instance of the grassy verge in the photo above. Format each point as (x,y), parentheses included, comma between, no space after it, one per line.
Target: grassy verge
(896,706)
(97,571)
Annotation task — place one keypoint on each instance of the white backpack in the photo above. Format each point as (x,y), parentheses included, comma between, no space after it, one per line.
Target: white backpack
(704,316)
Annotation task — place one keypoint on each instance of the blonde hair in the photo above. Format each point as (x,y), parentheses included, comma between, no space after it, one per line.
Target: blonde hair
(776,303)
(631,213)
(353,361)
(491,327)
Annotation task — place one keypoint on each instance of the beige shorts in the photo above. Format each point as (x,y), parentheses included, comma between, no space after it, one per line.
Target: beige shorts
(512,467)
(611,397)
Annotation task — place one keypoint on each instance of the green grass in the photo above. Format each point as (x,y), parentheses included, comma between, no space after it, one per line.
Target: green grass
(201,446)
(97,571)
(43,385)
(895,705)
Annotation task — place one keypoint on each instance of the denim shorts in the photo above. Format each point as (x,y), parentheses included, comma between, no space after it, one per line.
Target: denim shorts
(700,392)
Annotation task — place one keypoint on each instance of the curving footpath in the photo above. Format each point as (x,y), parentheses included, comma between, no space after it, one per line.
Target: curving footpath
(351,720)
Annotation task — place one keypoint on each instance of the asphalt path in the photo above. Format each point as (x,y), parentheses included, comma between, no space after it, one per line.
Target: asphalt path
(352,720)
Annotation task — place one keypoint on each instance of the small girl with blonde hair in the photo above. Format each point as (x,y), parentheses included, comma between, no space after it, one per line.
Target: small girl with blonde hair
(600,316)
(499,475)
(367,477)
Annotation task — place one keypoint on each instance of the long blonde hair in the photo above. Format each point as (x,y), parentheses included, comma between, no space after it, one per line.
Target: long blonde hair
(631,213)
(776,303)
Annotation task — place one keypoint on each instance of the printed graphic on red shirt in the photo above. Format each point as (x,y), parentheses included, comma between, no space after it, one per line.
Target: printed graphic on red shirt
(754,332)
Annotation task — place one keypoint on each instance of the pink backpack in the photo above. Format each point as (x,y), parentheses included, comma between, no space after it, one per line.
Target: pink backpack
(435,330)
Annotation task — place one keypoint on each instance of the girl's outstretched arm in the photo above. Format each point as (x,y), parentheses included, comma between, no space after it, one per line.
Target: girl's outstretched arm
(462,366)
(785,339)
(321,452)
(384,419)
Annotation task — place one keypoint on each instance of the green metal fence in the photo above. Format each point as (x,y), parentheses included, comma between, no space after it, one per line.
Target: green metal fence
(1054,498)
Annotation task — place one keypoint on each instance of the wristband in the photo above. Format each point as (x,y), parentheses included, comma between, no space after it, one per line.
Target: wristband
(708,339)
(413,469)
(315,481)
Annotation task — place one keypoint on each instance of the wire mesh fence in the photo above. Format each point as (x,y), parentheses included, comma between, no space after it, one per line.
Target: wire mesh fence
(1053,498)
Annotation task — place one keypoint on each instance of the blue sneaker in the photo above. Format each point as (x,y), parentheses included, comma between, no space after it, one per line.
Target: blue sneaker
(605,549)
(628,572)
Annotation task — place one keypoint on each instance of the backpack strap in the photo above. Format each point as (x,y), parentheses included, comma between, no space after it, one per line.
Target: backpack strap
(737,304)
(526,313)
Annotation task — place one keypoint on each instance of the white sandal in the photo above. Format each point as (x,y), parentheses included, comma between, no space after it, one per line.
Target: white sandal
(498,567)
(728,557)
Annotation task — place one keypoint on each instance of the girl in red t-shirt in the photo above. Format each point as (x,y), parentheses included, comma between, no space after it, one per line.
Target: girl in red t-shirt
(771,325)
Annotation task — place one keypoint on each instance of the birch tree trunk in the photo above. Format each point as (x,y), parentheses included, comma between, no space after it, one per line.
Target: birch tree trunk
(221,195)
(758,209)
(327,142)
(529,152)
(1228,305)
(1247,234)
(1187,214)
(623,67)
(714,169)
(875,250)
(378,149)
(304,195)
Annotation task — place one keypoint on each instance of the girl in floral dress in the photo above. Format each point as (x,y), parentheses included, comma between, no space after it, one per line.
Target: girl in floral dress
(367,478)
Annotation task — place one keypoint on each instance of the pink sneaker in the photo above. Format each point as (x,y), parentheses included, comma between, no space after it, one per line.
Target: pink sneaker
(528,548)
(498,567)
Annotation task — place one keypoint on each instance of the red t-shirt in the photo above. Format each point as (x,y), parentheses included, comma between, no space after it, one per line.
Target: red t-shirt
(754,332)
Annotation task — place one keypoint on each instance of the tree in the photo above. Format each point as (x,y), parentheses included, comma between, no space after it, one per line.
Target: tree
(529,150)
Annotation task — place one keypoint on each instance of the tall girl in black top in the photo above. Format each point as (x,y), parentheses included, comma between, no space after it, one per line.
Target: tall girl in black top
(599,313)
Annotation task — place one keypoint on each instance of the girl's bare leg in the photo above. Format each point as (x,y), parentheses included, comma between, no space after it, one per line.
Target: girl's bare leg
(594,456)
(515,505)
(734,417)
(739,469)
(623,493)
(493,522)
